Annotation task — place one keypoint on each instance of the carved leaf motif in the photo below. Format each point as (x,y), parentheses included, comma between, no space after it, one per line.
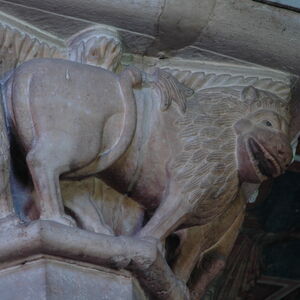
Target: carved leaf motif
(200,81)
(16,48)
(92,47)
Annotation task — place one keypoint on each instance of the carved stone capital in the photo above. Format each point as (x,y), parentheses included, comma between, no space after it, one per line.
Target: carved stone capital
(136,166)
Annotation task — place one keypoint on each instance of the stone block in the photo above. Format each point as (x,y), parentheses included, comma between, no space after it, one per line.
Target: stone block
(53,279)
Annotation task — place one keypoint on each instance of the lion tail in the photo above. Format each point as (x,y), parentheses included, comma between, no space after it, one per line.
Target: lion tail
(129,79)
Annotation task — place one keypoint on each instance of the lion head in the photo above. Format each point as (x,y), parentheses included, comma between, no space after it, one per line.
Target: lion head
(228,137)
(263,148)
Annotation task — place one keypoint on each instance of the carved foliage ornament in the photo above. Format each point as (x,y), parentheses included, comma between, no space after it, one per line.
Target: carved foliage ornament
(96,46)
(17,47)
(90,46)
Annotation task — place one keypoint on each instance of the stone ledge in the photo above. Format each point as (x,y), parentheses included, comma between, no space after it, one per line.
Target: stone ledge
(21,243)
(49,278)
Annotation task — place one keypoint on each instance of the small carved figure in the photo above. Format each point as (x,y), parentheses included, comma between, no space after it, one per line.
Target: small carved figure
(182,157)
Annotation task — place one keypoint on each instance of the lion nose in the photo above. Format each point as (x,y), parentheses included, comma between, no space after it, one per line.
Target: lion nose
(285,154)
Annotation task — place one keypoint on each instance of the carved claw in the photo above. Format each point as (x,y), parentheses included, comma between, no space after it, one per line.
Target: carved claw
(146,256)
(141,258)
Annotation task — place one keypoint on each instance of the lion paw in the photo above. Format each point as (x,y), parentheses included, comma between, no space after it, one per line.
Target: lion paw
(147,254)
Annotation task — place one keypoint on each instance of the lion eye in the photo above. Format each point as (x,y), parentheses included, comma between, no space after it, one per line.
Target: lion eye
(267,123)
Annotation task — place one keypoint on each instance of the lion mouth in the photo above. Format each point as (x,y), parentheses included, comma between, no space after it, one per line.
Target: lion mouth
(264,163)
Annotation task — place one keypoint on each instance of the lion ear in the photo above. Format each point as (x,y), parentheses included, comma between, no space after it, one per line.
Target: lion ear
(249,93)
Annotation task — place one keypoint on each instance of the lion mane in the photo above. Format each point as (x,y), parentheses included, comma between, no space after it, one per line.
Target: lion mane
(207,166)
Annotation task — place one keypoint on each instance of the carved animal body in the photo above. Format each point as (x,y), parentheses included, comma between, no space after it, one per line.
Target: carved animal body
(60,122)
(184,160)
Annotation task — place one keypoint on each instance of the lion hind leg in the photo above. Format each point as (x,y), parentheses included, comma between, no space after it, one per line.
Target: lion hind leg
(45,170)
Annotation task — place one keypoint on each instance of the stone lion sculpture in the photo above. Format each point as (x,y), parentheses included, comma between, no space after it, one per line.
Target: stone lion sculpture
(182,156)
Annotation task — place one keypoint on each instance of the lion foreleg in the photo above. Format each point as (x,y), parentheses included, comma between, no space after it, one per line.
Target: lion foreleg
(168,216)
